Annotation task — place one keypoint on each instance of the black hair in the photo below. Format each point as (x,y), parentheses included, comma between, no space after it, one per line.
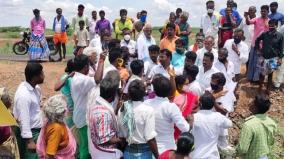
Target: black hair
(81,6)
(207,101)
(94,11)
(70,66)
(210,1)
(235,5)
(178,10)
(180,80)
(114,54)
(102,12)
(32,70)
(274,4)
(180,41)
(273,21)
(200,34)
(58,9)
(220,77)
(143,11)
(210,55)
(171,25)
(82,22)
(80,62)
(122,11)
(154,48)
(124,29)
(185,143)
(36,11)
(191,55)
(137,67)
(109,85)
(262,103)
(224,50)
(167,52)
(264,7)
(136,90)
(113,44)
(162,86)
(191,71)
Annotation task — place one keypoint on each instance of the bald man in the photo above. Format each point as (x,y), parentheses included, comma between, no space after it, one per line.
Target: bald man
(144,41)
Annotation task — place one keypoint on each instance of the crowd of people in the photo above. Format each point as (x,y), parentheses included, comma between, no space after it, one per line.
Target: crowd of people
(127,97)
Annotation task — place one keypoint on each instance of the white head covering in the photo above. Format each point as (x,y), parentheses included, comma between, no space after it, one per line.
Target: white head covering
(89,51)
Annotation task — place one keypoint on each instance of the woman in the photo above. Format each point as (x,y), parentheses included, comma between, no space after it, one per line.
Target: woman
(64,86)
(55,139)
(38,48)
(185,144)
(228,23)
(172,19)
(137,124)
(184,99)
(185,28)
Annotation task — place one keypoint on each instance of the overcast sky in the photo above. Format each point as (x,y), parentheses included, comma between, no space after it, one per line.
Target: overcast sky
(19,12)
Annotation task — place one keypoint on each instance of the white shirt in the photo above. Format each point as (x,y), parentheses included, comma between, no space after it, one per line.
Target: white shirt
(27,108)
(131,79)
(148,66)
(195,88)
(58,24)
(204,78)
(210,25)
(227,100)
(142,46)
(81,85)
(144,117)
(131,45)
(248,32)
(229,71)
(207,127)
(200,54)
(167,115)
(159,69)
(234,57)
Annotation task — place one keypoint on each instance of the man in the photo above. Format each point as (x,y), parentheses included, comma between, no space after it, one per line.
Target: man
(81,85)
(208,47)
(60,25)
(102,123)
(27,110)
(80,16)
(167,115)
(178,56)
(191,71)
(260,26)
(271,53)
(137,69)
(144,41)
(199,40)
(154,51)
(207,125)
(169,41)
(258,131)
(238,52)
(92,25)
(210,22)
(206,71)
(248,29)
(129,43)
(143,17)
(122,23)
(103,23)
(279,17)
(115,60)
(235,13)
(165,57)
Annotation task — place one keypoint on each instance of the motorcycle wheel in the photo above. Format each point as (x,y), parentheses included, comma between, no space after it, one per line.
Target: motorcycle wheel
(20,48)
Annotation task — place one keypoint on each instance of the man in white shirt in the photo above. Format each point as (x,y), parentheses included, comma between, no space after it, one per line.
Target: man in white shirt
(210,21)
(167,115)
(191,71)
(208,47)
(144,41)
(137,69)
(81,85)
(207,126)
(165,57)
(154,51)
(206,71)
(129,43)
(27,110)
(92,25)
(248,29)
(238,51)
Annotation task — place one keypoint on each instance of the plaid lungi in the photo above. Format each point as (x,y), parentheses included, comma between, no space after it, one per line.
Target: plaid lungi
(38,48)
(137,151)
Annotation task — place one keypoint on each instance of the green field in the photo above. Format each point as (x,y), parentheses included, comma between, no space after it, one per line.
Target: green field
(9,35)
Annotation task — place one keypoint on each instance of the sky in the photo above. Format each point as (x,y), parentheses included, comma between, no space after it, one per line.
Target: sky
(19,12)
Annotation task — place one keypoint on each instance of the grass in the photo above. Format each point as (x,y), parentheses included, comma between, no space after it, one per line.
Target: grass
(9,35)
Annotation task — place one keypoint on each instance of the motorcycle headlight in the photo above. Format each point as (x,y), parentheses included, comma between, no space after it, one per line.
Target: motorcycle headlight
(21,33)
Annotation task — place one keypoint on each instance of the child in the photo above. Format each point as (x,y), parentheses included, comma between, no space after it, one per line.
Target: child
(81,38)
(123,70)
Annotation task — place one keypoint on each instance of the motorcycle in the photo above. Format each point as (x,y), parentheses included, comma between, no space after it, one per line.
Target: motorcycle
(22,47)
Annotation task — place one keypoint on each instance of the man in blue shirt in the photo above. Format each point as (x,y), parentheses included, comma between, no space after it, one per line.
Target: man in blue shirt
(235,13)
(274,14)
(179,54)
